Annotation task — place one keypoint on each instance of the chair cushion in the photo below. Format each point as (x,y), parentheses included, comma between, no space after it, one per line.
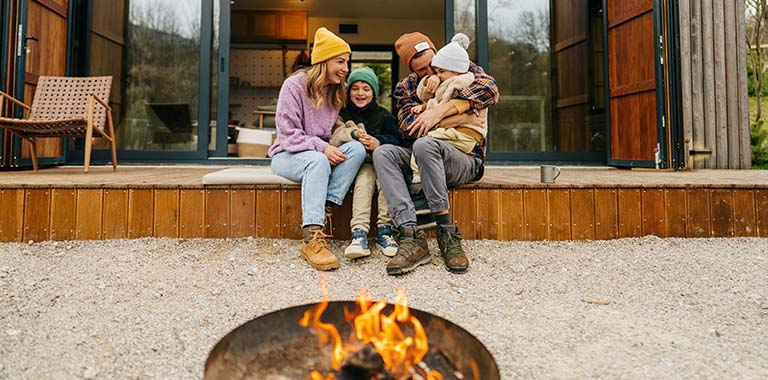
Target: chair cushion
(245,176)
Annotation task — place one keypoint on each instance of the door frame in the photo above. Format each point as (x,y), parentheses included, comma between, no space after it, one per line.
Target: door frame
(658,47)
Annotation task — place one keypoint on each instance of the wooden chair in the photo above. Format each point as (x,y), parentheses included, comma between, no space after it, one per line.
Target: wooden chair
(65,107)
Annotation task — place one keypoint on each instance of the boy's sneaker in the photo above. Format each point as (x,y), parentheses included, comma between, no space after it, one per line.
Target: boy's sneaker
(386,241)
(413,251)
(359,246)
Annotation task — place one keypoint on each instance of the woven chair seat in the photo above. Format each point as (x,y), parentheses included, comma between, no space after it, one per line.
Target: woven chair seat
(46,128)
(65,107)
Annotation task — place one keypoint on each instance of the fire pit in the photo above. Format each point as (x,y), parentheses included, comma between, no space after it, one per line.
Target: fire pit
(274,346)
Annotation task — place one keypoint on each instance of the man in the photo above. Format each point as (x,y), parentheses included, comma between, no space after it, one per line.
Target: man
(441,164)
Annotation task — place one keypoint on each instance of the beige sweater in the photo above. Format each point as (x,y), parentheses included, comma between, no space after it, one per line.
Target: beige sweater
(444,93)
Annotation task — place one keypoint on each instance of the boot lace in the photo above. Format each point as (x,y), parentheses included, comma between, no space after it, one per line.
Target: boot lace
(318,239)
(452,244)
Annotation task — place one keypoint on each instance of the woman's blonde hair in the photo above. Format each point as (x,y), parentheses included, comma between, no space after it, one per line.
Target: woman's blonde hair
(315,79)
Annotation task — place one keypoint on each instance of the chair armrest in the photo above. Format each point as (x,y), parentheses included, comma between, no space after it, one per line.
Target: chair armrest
(14,100)
(103,103)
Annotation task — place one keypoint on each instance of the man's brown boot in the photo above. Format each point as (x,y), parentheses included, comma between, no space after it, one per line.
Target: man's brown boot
(315,249)
(449,242)
(411,253)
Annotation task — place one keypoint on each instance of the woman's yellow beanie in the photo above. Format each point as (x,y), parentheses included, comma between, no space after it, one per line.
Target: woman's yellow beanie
(328,45)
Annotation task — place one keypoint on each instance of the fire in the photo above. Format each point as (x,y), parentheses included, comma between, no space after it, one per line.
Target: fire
(400,353)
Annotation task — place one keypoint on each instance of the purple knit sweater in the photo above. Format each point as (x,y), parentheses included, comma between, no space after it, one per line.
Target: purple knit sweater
(299,126)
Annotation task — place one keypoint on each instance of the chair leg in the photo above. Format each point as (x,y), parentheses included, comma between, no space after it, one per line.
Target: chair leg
(88,134)
(112,140)
(33,153)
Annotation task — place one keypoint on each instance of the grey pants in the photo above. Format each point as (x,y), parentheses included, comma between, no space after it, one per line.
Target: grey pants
(441,166)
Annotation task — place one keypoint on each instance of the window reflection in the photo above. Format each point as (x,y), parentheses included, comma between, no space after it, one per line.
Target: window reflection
(158,75)
(547,58)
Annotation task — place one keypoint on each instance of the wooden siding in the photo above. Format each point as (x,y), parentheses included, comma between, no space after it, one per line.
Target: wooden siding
(714,92)
(529,213)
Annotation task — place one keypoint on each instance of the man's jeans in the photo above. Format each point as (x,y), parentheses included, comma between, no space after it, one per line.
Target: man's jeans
(319,180)
(440,164)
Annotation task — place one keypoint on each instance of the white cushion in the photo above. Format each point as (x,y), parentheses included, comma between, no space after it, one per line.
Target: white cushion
(245,176)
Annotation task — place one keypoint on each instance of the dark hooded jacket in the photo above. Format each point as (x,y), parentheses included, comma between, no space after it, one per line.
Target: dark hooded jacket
(378,122)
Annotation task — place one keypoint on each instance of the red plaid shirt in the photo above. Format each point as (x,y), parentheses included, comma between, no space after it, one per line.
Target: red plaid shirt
(481,94)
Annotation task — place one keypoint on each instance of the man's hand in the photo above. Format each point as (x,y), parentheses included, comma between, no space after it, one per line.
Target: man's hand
(425,122)
(334,155)
(430,118)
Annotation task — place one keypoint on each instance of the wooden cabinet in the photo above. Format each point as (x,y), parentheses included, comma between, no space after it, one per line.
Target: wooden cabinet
(261,26)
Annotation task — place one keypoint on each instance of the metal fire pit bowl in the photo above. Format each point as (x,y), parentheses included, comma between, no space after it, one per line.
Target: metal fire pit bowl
(274,346)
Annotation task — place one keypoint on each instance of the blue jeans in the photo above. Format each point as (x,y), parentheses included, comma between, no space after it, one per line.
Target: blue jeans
(319,181)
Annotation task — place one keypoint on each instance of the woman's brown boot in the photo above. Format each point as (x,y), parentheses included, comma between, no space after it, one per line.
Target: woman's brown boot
(315,249)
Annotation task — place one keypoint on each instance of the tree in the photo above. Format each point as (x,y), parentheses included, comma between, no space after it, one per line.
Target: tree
(757,15)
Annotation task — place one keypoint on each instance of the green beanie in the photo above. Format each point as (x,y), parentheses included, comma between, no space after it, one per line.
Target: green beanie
(364,74)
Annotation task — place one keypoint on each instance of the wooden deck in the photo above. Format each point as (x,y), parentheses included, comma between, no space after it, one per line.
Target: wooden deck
(508,204)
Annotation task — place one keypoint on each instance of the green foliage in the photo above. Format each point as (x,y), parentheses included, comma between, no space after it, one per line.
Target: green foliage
(758,137)
(752,83)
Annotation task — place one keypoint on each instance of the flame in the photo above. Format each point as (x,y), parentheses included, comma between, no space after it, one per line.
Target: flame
(401,353)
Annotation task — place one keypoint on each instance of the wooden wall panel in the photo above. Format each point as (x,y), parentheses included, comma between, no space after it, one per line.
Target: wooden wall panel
(217,213)
(488,213)
(290,217)
(582,214)
(761,212)
(166,213)
(653,212)
(268,213)
(47,21)
(242,216)
(342,215)
(675,212)
(722,212)
(512,217)
(89,213)
(12,211)
(630,213)
(36,214)
(463,209)
(191,213)
(606,214)
(140,211)
(535,208)
(744,219)
(698,213)
(559,214)
(115,222)
(63,214)
(715,103)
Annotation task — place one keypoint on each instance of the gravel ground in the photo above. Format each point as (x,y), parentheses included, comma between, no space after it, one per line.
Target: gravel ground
(153,308)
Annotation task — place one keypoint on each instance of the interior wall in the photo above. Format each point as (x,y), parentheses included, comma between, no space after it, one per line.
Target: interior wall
(380,31)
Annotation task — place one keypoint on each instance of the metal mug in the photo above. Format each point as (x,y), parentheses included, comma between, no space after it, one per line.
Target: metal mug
(549,173)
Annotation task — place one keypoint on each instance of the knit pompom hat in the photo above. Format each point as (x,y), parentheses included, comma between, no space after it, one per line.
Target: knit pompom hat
(328,45)
(454,56)
(410,44)
(364,74)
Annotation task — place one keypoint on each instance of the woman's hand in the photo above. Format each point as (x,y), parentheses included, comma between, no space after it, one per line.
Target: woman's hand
(334,155)
(370,142)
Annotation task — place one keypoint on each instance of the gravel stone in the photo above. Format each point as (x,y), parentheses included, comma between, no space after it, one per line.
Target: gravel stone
(151,308)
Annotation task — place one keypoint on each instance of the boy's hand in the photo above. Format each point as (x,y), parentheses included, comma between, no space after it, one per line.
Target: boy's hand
(432,82)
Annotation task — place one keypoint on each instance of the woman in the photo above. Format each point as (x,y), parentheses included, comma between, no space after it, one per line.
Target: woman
(307,109)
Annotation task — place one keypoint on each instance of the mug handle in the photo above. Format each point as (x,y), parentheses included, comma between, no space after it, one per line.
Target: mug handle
(556,175)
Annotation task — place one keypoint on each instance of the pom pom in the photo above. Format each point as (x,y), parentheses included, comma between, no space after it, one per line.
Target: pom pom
(461,39)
